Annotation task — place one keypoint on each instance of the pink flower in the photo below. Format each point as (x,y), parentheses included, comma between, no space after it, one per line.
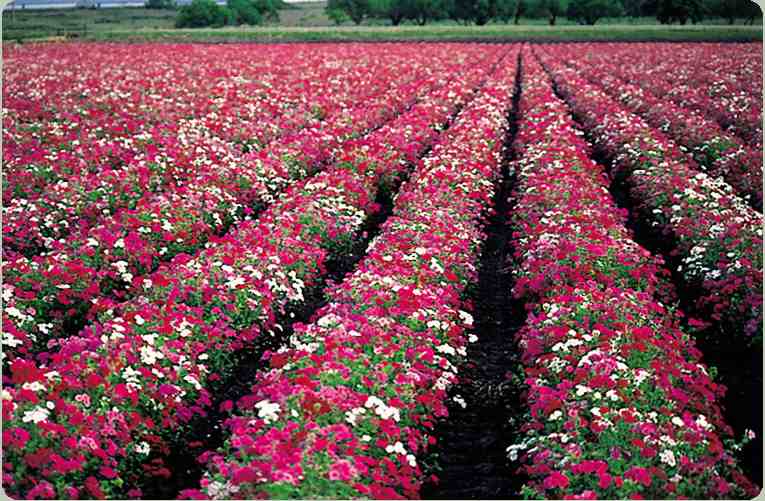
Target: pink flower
(555,480)
(342,470)
(639,475)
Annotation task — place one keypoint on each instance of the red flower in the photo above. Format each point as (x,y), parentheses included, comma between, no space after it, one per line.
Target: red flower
(556,479)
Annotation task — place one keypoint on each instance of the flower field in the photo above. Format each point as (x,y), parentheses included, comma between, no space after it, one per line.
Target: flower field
(382,270)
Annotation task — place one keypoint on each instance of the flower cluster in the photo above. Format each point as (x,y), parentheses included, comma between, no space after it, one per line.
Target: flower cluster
(359,388)
(720,153)
(619,404)
(108,400)
(195,187)
(717,237)
(719,81)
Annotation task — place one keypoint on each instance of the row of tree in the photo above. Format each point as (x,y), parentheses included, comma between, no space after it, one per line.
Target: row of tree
(201,13)
(480,12)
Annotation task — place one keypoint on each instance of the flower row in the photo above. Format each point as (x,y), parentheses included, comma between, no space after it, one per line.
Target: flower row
(699,77)
(619,405)
(171,156)
(90,101)
(720,153)
(345,410)
(716,237)
(99,416)
(113,257)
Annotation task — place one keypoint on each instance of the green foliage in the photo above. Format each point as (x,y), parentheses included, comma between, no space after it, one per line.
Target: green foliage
(671,11)
(201,13)
(356,10)
(244,12)
(160,4)
(730,10)
(394,10)
(253,12)
(552,9)
(589,11)
(338,16)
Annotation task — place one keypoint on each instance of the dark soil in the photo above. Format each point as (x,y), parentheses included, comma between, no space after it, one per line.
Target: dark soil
(471,448)
(738,368)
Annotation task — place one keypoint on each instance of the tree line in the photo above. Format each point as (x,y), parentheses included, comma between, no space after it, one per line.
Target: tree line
(480,12)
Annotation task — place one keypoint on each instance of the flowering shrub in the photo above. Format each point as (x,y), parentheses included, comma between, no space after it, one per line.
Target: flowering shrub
(151,360)
(715,234)
(619,404)
(104,261)
(346,407)
(720,153)
(718,81)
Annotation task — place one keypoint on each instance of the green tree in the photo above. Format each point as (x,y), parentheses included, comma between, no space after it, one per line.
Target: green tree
(520,9)
(160,4)
(338,16)
(201,13)
(553,10)
(394,10)
(680,11)
(589,11)
(505,10)
(730,10)
(356,10)
(244,12)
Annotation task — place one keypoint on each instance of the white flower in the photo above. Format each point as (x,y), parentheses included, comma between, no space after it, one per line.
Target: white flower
(149,355)
(352,415)
(555,415)
(142,448)
(36,415)
(667,456)
(749,434)
(398,447)
(677,421)
(466,318)
(268,411)
(33,386)
(460,401)
(120,243)
(50,405)
(139,320)
(703,423)
(472,338)
(445,348)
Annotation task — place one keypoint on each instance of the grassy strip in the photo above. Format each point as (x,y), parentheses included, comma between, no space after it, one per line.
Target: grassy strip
(490,33)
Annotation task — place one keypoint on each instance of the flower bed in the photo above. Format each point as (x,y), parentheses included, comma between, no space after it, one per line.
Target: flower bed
(113,257)
(128,384)
(196,149)
(721,154)
(716,236)
(346,408)
(718,81)
(619,404)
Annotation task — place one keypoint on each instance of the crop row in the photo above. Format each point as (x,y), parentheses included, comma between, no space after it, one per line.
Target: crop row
(348,406)
(716,237)
(720,153)
(176,157)
(90,104)
(619,405)
(678,74)
(112,258)
(97,419)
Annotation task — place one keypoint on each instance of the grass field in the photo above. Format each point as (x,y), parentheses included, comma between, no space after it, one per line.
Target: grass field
(308,22)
